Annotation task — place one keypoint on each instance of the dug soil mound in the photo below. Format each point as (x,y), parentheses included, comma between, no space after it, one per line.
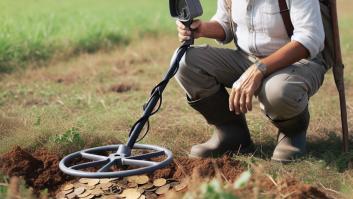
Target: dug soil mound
(206,168)
(40,169)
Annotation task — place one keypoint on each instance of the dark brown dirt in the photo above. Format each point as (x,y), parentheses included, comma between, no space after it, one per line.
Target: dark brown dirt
(206,168)
(68,78)
(306,191)
(19,163)
(40,170)
(121,88)
(299,190)
(230,169)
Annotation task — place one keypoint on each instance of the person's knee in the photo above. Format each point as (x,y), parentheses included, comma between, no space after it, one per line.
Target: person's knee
(281,100)
(187,64)
(182,70)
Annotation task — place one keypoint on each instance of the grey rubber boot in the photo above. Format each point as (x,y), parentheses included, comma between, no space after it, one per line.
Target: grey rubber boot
(291,140)
(231,131)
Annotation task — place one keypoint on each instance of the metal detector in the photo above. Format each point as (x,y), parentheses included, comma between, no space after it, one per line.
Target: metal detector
(133,159)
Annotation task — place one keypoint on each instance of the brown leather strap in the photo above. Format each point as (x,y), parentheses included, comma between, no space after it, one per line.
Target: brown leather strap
(230,19)
(229,11)
(286,17)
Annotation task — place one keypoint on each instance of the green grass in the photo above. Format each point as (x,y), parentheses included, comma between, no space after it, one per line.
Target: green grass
(38,111)
(36,30)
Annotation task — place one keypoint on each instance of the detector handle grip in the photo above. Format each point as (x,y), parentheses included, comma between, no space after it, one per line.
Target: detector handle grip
(192,37)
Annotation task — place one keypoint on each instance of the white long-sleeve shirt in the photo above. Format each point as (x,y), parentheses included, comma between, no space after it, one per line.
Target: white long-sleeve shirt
(260,30)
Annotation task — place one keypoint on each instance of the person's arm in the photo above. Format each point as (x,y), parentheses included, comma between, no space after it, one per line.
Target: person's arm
(307,41)
(209,29)
(240,99)
(285,56)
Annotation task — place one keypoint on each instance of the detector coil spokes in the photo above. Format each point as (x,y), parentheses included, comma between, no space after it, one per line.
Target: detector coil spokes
(103,162)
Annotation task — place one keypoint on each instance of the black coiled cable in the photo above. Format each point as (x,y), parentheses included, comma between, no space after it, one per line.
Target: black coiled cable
(156,92)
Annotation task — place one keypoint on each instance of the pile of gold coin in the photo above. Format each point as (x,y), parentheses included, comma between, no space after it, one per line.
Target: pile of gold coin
(133,187)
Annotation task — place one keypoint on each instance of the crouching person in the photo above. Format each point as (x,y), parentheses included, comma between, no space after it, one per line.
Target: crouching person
(280,66)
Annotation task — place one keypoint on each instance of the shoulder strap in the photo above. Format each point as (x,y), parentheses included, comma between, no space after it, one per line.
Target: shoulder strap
(286,17)
(230,19)
(229,12)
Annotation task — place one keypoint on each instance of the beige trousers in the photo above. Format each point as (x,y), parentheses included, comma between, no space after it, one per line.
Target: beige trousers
(283,94)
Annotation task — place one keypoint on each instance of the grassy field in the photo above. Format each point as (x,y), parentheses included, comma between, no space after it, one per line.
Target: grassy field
(94,98)
(38,30)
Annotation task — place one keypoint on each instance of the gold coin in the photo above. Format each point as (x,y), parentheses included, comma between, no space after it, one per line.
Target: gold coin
(88,197)
(97,192)
(105,188)
(68,191)
(60,195)
(151,195)
(180,186)
(159,182)
(109,184)
(91,187)
(105,180)
(132,185)
(151,189)
(127,192)
(91,182)
(68,187)
(123,181)
(84,180)
(143,179)
(111,197)
(85,194)
(98,186)
(141,190)
(147,186)
(71,195)
(132,178)
(79,190)
(133,195)
(163,190)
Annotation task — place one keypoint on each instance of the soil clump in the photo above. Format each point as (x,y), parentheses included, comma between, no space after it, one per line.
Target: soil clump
(183,167)
(121,88)
(40,170)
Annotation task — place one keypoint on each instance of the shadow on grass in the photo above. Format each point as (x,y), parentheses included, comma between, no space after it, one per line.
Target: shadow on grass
(327,148)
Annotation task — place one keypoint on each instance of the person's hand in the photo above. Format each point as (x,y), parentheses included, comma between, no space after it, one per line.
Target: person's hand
(240,99)
(185,33)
